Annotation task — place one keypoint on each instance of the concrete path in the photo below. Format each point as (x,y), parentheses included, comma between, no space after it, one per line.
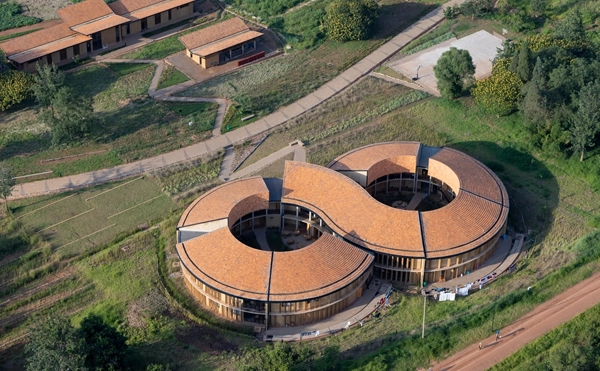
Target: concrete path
(415,200)
(351,316)
(226,164)
(297,149)
(404,83)
(341,82)
(526,329)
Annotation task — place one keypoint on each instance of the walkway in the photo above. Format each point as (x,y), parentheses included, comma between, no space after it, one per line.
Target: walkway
(341,82)
(526,329)
(504,257)
(353,315)
(295,148)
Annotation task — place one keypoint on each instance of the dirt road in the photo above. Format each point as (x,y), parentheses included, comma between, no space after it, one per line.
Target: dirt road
(534,324)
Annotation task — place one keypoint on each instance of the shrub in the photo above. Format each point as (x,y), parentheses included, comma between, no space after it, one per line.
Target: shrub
(16,87)
(347,20)
(500,92)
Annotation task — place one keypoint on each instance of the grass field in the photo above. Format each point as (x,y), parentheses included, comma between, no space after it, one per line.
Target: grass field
(131,126)
(171,76)
(123,69)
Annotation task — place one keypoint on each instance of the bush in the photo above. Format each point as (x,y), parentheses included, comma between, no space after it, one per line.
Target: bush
(347,20)
(11,17)
(16,87)
(501,92)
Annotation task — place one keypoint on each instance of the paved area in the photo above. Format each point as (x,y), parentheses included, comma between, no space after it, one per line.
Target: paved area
(341,82)
(352,316)
(526,329)
(415,201)
(226,164)
(405,83)
(481,45)
(506,254)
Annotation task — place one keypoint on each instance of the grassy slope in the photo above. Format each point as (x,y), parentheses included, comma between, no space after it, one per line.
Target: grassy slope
(171,76)
(132,126)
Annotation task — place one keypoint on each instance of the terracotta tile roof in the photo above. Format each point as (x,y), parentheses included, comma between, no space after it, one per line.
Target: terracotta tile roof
(350,211)
(219,260)
(213,33)
(461,225)
(474,176)
(84,11)
(35,39)
(226,43)
(219,202)
(100,24)
(365,157)
(138,9)
(327,265)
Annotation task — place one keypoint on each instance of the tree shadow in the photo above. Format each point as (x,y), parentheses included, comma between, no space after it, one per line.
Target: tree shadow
(393,18)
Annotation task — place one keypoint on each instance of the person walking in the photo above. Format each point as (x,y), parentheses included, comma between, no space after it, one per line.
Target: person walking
(497,335)
(480,346)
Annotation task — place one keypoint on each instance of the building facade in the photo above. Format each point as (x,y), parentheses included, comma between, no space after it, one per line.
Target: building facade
(90,27)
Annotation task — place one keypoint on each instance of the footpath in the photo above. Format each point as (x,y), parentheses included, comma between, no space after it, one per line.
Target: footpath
(526,329)
(325,92)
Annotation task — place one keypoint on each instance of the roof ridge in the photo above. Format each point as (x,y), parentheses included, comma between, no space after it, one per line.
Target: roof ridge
(222,39)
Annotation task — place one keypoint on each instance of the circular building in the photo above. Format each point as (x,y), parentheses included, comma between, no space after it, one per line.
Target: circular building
(401,211)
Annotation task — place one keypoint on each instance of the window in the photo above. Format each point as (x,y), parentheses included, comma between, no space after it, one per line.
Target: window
(169,14)
(49,59)
(144,24)
(183,6)
(157,18)
(76,49)
(96,41)
(63,54)
(128,28)
(118,33)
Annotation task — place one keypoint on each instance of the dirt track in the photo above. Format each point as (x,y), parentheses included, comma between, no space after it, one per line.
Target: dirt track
(534,324)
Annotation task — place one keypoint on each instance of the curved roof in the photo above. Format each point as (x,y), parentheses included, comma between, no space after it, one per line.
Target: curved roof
(218,259)
(478,212)
(221,261)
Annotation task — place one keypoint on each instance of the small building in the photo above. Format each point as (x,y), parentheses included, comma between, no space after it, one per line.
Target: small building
(220,43)
(89,27)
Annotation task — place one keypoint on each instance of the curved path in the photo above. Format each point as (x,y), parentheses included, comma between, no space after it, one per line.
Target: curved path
(534,324)
(341,82)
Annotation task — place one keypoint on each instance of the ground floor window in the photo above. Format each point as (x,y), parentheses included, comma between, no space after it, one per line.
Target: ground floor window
(76,49)
(169,14)
(49,59)
(96,41)
(63,54)
(144,24)
(157,19)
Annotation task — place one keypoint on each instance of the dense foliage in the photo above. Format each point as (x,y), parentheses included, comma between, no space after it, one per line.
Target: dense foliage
(301,27)
(7,183)
(347,20)
(11,17)
(54,344)
(560,74)
(453,71)
(16,87)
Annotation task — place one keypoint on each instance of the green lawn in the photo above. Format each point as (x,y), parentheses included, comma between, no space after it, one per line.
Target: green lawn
(233,119)
(123,69)
(171,76)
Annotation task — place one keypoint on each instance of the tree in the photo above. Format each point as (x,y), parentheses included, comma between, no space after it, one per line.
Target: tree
(48,81)
(521,63)
(347,20)
(7,183)
(586,121)
(476,8)
(500,92)
(54,345)
(69,117)
(16,87)
(538,7)
(104,346)
(453,70)
(571,27)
